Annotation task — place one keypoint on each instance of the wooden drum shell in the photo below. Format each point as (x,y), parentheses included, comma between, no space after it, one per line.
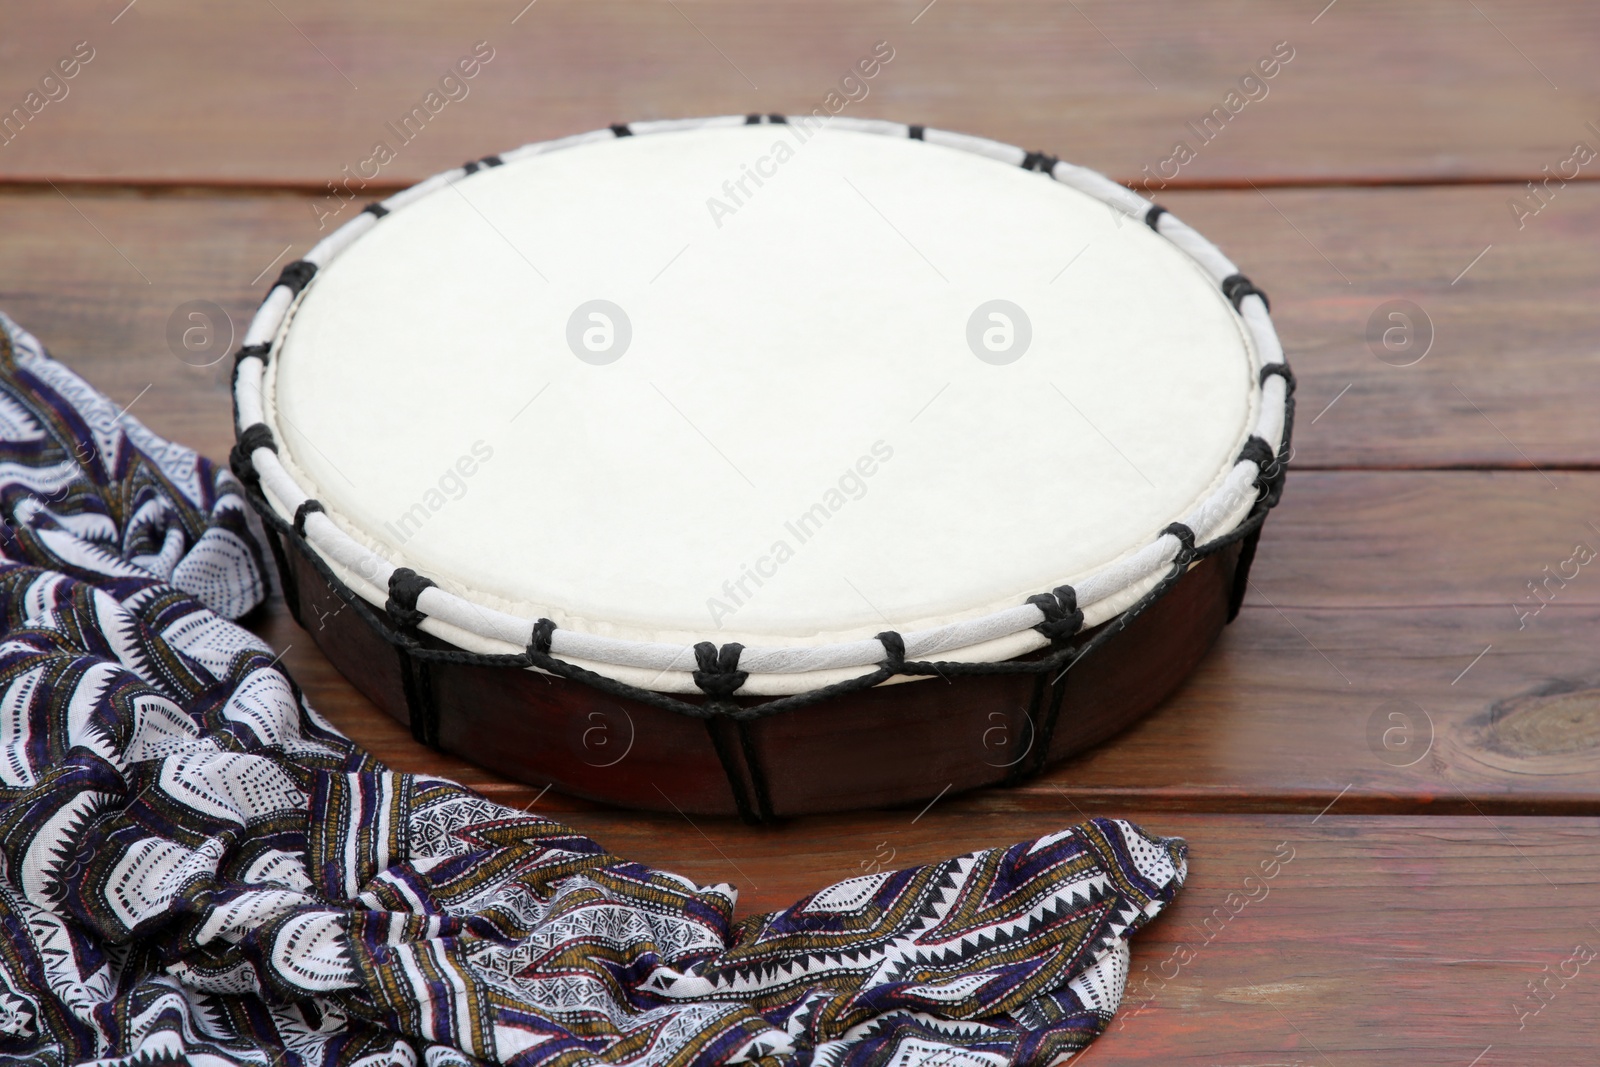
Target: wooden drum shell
(914,728)
(891,744)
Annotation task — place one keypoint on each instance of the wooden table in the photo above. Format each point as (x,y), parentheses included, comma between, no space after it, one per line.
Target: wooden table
(1444,877)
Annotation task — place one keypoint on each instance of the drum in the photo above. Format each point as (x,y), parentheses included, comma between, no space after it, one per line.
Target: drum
(764,466)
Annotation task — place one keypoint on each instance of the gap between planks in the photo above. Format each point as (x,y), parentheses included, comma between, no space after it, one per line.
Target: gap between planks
(181,187)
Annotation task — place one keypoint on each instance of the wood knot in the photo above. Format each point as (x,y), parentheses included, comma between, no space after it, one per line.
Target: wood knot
(1544,724)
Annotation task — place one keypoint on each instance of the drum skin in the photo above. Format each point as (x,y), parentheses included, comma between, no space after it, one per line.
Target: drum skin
(893,744)
(575,666)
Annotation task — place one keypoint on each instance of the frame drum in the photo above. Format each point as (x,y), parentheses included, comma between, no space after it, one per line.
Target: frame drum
(764,466)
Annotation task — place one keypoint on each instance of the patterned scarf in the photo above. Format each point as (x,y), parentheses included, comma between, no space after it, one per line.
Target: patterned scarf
(196,867)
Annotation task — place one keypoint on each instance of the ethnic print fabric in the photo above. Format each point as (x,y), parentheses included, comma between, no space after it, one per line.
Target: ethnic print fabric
(195,868)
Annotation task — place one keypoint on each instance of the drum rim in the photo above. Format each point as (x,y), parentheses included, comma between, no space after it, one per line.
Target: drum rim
(1111,594)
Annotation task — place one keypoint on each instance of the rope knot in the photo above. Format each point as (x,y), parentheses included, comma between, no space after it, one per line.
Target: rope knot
(894,652)
(1062,618)
(405,585)
(719,676)
(240,458)
(307,506)
(1236,287)
(539,643)
(1185,538)
(1040,161)
(297,275)
(1271,467)
(250,352)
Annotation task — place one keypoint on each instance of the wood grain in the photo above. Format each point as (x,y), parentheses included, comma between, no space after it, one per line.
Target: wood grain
(1436,933)
(292,92)
(1430,538)
(1429,679)
(1504,327)
(1378,940)
(1431,710)
(1508,381)
(1378,710)
(1399,578)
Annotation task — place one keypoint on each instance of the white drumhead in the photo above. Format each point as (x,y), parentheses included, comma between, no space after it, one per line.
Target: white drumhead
(816,430)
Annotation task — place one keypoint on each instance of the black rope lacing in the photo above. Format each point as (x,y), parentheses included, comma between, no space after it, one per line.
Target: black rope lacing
(718,675)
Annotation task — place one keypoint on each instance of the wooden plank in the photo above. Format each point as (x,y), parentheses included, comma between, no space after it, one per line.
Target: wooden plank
(1384,939)
(107,283)
(1511,379)
(1427,327)
(1431,538)
(1427,678)
(1434,710)
(1297,940)
(1445,558)
(294,91)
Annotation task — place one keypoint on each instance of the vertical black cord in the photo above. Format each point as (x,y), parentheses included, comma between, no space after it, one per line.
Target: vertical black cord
(730,767)
(758,777)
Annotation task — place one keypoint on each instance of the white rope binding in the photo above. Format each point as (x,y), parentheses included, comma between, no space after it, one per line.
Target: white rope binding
(773,670)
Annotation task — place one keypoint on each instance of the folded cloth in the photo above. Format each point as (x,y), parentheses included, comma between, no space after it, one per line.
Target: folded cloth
(194,866)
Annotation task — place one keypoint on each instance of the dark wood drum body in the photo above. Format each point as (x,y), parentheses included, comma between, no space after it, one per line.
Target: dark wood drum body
(1079,478)
(892,744)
